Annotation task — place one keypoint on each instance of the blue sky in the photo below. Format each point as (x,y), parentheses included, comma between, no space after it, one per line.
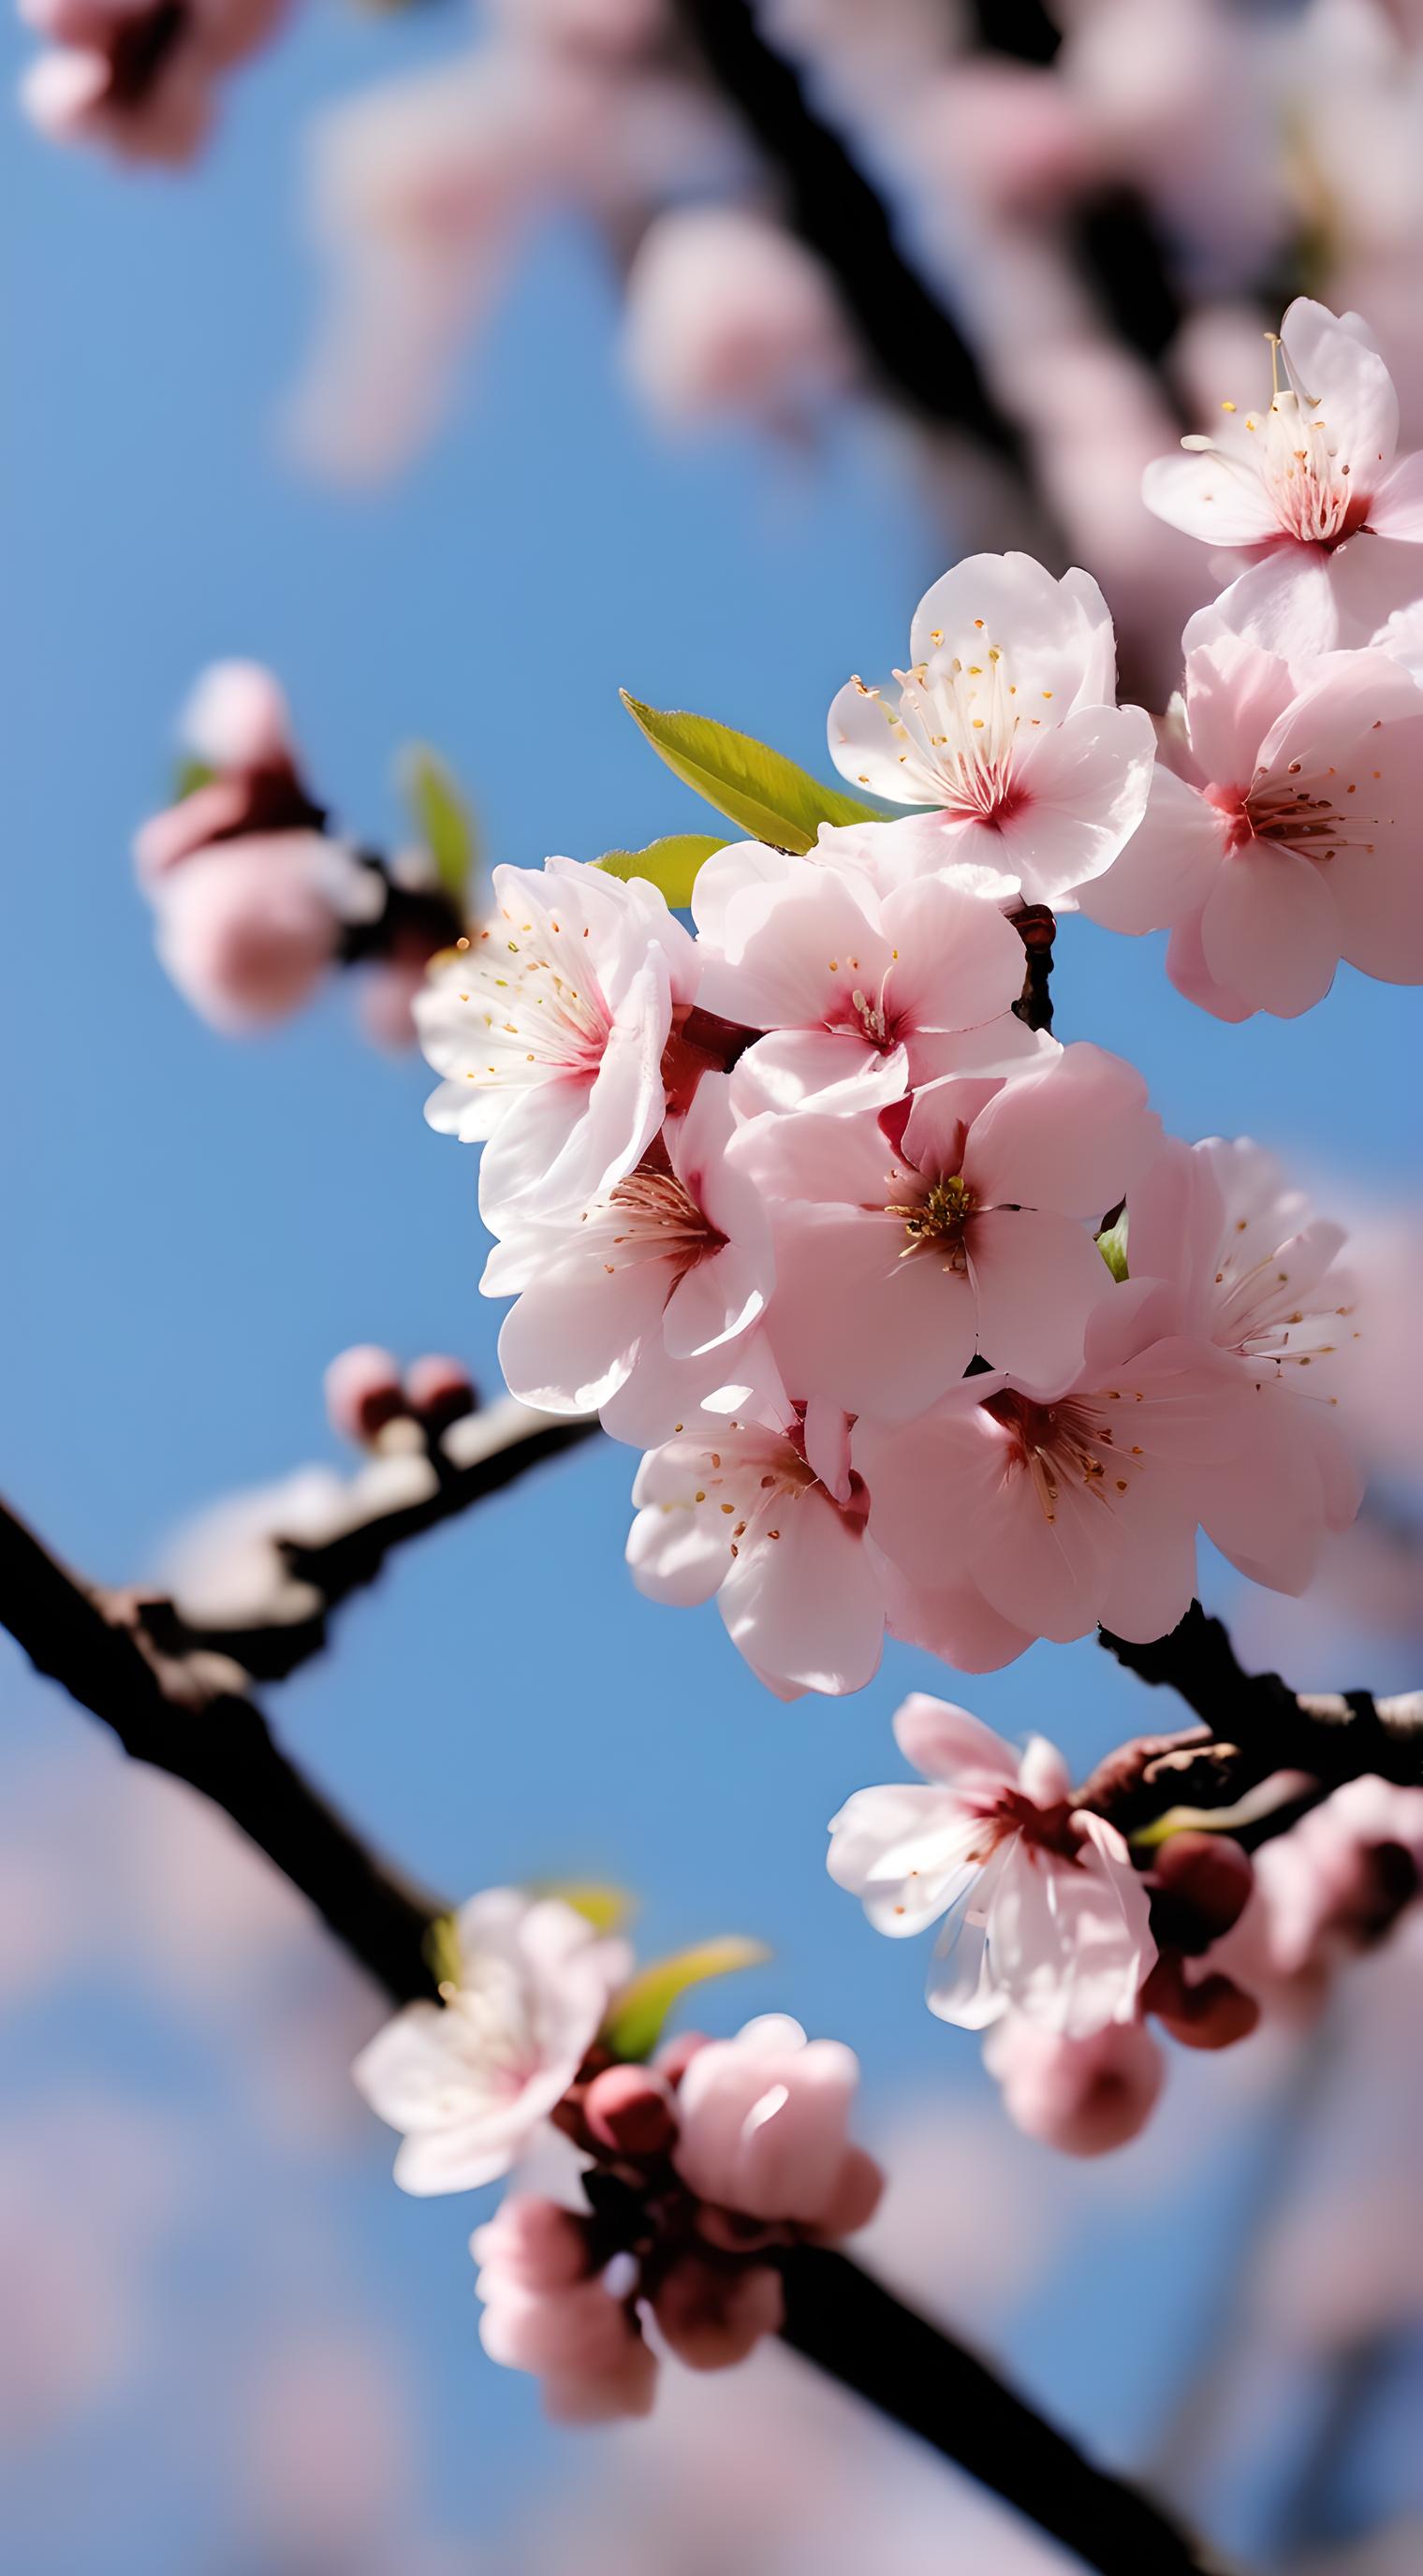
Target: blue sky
(193,1227)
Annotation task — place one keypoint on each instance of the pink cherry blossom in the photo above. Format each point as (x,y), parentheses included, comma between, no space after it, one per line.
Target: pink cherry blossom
(863,994)
(712,2315)
(1336,1880)
(235,725)
(469,2080)
(727,312)
(644,1307)
(1044,1913)
(1309,488)
(898,1262)
(1257,1276)
(1010,1517)
(1082,2096)
(135,76)
(1281,838)
(764,2124)
(559,1010)
(580,2337)
(770,1520)
(1006,722)
(248,928)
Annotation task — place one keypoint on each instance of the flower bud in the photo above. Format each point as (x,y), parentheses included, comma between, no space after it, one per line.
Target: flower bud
(363,1392)
(1082,2096)
(439,1390)
(713,2314)
(630,2109)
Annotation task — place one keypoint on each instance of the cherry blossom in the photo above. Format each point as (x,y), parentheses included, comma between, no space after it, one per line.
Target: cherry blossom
(248,928)
(862,993)
(1007,724)
(771,1520)
(646,1306)
(900,1261)
(1010,1516)
(470,2079)
(763,2121)
(728,313)
(1309,489)
(1043,1912)
(547,2311)
(559,1008)
(1279,839)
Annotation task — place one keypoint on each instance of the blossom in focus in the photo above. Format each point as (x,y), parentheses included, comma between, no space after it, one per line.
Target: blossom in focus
(727,313)
(646,1306)
(1279,836)
(469,2080)
(1006,722)
(1044,1914)
(897,1262)
(862,993)
(137,76)
(1309,488)
(772,1521)
(1084,2096)
(763,2129)
(1009,1517)
(548,1030)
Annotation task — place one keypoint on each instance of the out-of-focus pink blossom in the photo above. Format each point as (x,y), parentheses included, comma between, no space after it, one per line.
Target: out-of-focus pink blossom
(712,2315)
(1279,839)
(1045,1915)
(1006,722)
(1340,1876)
(578,2335)
(363,1391)
(558,1011)
(906,1248)
(138,76)
(247,929)
(646,1308)
(1012,135)
(469,2080)
(1084,2096)
(764,2122)
(727,313)
(771,1521)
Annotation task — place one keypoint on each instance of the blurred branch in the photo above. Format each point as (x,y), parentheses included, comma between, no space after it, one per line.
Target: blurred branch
(184,1715)
(476,1457)
(832,206)
(1253,1725)
(1037,928)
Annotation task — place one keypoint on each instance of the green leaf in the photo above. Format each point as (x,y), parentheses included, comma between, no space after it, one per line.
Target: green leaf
(190,775)
(671,865)
(604,1907)
(442,1950)
(1262,1800)
(752,785)
(634,2024)
(440,815)
(1112,1246)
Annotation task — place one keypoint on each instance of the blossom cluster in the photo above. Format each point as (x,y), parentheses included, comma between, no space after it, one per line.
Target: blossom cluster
(686,2175)
(1063,1947)
(920,1319)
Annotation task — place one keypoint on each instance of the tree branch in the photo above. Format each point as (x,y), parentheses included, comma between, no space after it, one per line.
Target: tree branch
(181,1714)
(1253,1725)
(391,1500)
(836,212)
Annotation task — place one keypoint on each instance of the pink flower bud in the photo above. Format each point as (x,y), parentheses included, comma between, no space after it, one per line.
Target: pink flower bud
(530,2244)
(713,2314)
(630,2108)
(236,717)
(763,2120)
(1083,2096)
(623,2385)
(440,1390)
(247,929)
(674,2056)
(1213,2012)
(727,312)
(1207,1880)
(363,1391)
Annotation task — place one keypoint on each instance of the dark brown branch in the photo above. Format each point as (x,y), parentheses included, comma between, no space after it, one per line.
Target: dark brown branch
(491,1450)
(185,1717)
(1252,1725)
(829,202)
(848,2324)
(182,1715)
(1037,928)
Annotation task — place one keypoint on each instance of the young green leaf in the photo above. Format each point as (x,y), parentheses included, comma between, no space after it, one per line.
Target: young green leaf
(189,776)
(752,785)
(671,865)
(1112,1245)
(442,1950)
(440,815)
(604,1907)
(634,2023)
